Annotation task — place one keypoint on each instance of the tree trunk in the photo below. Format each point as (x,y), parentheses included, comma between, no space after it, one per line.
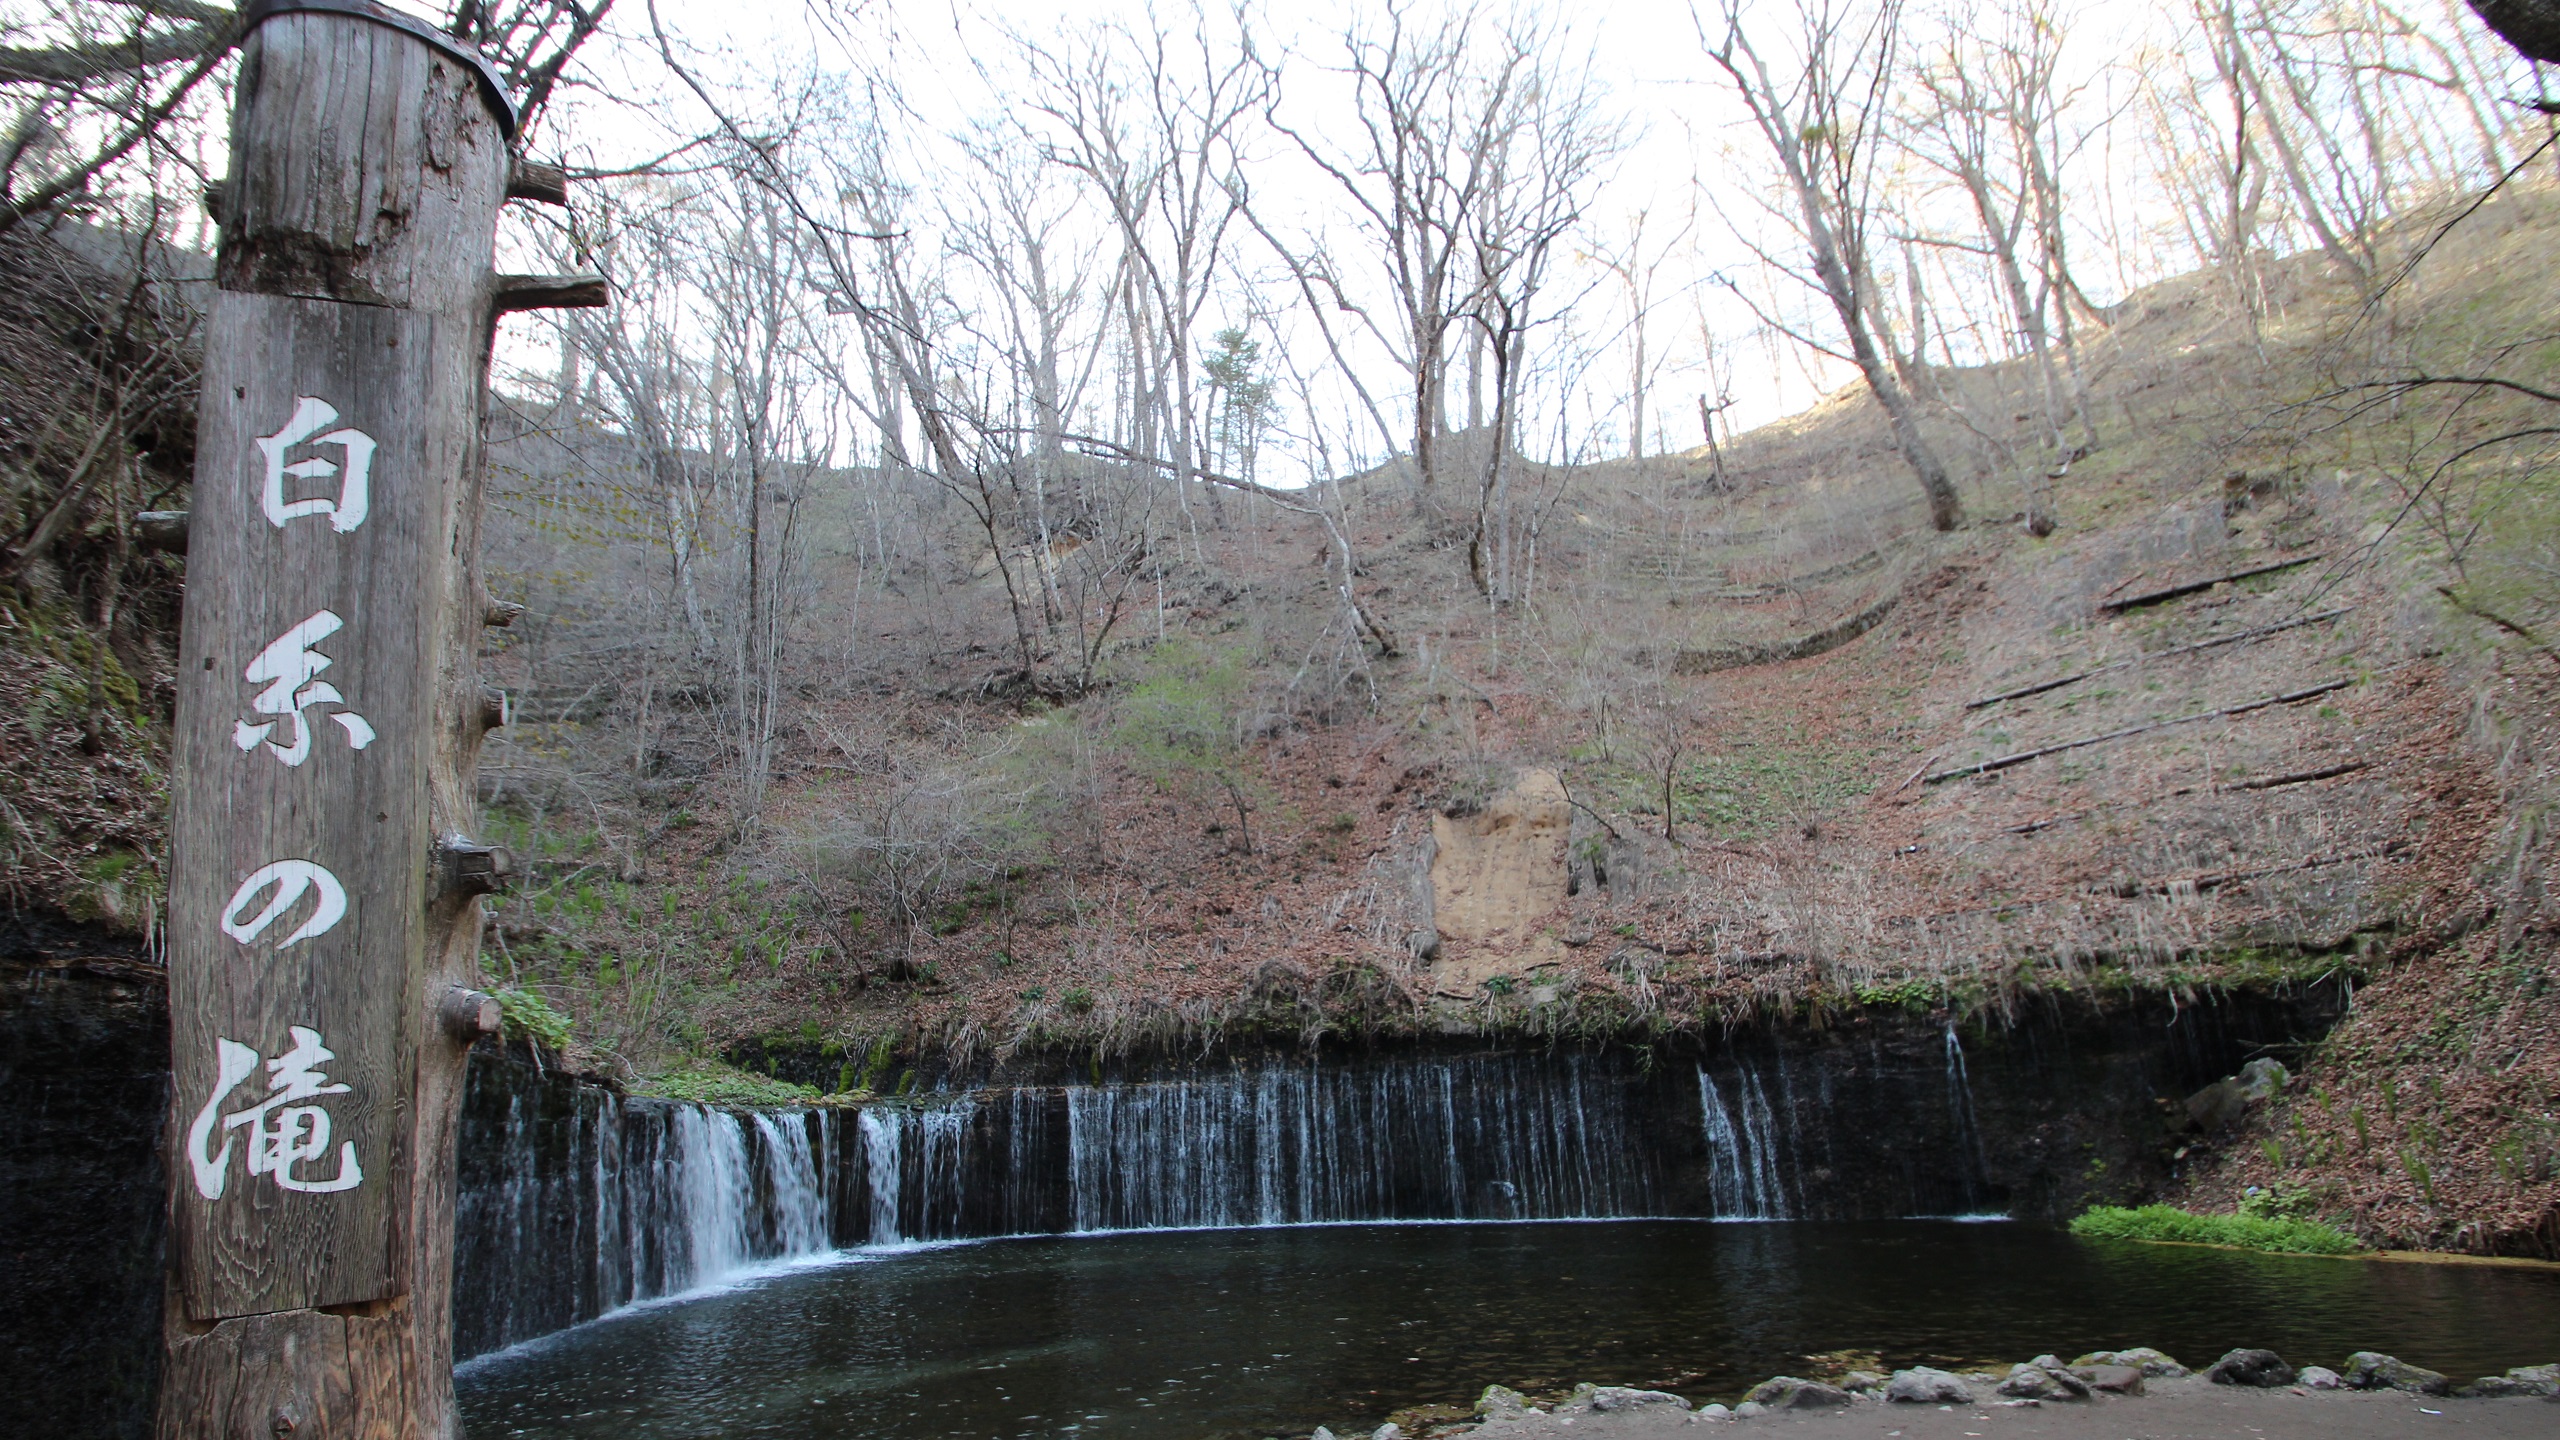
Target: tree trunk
(336,524)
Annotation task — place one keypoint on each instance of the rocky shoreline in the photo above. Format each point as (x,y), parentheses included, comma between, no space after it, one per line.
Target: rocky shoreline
(2100,1378)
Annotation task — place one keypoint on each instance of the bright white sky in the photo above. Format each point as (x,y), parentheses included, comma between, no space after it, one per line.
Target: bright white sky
(1691,154)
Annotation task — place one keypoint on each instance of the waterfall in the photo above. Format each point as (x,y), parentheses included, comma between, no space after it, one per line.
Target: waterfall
(708,1166)
(1743,1139)
(883,1163)
(1960,1110)
(1462,1139)
(585,1202)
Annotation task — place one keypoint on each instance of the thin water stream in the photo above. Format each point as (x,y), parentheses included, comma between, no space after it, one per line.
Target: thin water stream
(1255,1332)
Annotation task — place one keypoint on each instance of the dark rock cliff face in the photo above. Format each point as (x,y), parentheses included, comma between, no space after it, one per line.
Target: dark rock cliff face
(84,1088)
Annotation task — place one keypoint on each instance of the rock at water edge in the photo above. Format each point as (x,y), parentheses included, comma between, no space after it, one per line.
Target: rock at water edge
(2545,1379)
(2259,1369)
(1749,1408)
(1786,1392)
(1610,1399)
(1714,1412)
(1389,1431)
(2373,1370)
(2112,1379)
(2043,1378)
(2152,1364)
(1501,1402)
(1921,1385)
(2319,1377)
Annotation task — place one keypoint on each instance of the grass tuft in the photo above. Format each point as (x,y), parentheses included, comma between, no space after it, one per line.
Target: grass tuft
(2247,1232)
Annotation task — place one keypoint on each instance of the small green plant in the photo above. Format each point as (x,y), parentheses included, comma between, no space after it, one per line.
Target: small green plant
(530,1017)
(1077,1001)
(2169,1224)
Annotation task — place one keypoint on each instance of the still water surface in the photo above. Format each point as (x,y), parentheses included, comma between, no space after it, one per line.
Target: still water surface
(1242,1333)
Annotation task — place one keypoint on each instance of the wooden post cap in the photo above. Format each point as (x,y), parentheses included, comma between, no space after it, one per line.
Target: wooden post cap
(470,1014)
(583,291)
(469,868)
(536,181)
(161,530)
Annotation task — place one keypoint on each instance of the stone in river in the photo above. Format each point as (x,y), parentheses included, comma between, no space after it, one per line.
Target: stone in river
(1609,1399)
(1786,1392)
(1322,1434)
(1501,1402)
(2261,1369)
(1389,1431)
(2319,1377)
(1921,1385)
(2113,1379)
(2373,1370)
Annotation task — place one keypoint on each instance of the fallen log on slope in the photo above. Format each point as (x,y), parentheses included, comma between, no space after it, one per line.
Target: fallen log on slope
(1828,638)
(2154,597)
(2023,691)
(2270,782)
(2003,762)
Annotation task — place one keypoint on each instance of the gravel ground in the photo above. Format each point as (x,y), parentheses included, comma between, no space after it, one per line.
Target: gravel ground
(2192,1409)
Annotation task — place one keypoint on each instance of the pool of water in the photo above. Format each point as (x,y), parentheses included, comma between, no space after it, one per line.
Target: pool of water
(1243,1333)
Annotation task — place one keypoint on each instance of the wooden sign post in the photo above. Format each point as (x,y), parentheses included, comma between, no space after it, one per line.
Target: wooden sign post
(324,919)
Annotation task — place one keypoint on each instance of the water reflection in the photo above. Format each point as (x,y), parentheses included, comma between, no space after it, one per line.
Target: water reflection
(1261,1332)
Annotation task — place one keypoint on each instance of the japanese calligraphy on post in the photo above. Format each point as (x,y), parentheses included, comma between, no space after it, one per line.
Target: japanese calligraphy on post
(301,834)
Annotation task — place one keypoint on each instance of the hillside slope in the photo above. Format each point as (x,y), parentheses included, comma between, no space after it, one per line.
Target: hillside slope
(1720,761)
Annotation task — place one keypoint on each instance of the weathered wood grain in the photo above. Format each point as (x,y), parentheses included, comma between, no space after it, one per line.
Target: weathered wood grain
(355,268)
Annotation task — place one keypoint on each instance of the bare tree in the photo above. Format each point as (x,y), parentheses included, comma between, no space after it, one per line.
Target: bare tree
(1824,126)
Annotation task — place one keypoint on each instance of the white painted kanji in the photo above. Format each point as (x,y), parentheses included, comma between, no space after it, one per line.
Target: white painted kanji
(283,883)
(287,667)
(354,467)
(285,1131)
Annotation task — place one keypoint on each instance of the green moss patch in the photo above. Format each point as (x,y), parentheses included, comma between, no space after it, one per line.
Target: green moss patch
(2245,1232)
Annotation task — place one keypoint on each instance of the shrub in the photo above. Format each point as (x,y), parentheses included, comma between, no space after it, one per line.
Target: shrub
(530,1017)
(2168,1223)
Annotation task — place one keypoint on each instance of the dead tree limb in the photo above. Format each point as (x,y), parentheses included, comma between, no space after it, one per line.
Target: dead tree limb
(2290,697)
(2023,691)
(2154,597)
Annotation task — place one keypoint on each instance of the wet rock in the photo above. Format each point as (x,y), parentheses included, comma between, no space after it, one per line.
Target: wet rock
(2259,1369)
(2545,1379)
(1714,1412)
(1786,1392)
(2152,1364)
(2043,1378)
(2319,1377)
(1389,1431)
(2111,1379)
(1501,1402)
(1613,1399)
(1322,1434)
(1857,1380)
(1921,1385)
(1748,1409)
(2220,1105)
(2373,1370)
